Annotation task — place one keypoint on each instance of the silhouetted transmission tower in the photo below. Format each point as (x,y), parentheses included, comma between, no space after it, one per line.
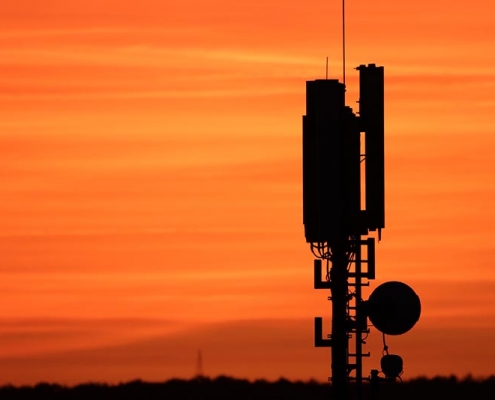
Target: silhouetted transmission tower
(340,208)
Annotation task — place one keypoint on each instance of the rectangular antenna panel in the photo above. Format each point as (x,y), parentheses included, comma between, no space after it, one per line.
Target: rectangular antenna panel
(372,120)
(330,163)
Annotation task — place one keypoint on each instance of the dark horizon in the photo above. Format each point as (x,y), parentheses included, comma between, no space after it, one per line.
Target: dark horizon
(225,387)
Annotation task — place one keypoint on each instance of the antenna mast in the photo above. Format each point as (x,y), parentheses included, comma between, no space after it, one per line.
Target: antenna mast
(343,204)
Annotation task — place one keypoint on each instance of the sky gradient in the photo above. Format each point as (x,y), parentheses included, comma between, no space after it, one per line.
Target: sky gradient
(151,196)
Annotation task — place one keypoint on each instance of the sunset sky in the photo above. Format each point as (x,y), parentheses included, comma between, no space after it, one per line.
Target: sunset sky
(151,184)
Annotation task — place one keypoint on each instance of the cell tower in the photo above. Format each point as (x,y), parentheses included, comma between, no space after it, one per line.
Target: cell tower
(343,203)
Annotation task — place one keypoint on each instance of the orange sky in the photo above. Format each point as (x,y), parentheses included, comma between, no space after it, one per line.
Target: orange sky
(151,205)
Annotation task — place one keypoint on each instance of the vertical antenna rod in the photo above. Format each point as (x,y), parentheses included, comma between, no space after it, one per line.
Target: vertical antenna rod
(343,41)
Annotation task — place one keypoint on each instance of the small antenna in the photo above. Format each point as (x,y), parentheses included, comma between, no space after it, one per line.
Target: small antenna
(343,40)
(326,75)
(199,365)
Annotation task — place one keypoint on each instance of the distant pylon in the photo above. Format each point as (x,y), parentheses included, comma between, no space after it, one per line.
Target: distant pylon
(199,365)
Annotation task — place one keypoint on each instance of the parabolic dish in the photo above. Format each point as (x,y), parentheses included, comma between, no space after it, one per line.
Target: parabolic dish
(394,308)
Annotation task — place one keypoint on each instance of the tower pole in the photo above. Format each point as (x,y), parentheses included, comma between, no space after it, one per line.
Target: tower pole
(359,321)
(340,339)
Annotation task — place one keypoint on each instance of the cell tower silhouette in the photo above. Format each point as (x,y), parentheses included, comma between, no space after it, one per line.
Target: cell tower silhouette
(343,203)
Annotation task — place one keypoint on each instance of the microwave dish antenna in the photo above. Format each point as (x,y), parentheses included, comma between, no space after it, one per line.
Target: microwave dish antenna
(394,308)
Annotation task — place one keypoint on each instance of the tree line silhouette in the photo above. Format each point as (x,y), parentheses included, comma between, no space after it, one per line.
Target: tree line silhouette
(227,388)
